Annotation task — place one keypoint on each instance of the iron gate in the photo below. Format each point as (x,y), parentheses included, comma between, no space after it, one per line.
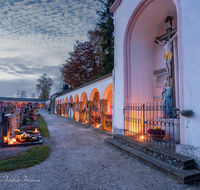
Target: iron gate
(151,123)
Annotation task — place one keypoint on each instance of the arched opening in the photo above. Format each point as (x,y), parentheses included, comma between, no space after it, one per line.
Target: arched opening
(16,104)
(108,95)
(9,107)
(22,105)
(71,107)
(71,99)
(2,104)
(42,105)
(56,110)
(95,109)
(36,105)
(8,103)
(84,100)
(144,67)
(145,57)
(76,107)
(29,104)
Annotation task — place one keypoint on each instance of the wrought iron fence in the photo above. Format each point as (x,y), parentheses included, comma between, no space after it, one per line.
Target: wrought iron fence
(152,123)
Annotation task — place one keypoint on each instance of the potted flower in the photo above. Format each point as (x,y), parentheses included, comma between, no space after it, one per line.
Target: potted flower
(157,132)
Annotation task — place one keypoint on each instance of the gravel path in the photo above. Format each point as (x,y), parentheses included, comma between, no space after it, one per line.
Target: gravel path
(79,159)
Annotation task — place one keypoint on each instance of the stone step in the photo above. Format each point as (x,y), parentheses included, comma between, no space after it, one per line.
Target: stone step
(165,155)
(183,176)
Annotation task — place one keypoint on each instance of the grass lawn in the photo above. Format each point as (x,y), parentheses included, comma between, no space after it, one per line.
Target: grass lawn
(43,127)
(25,159)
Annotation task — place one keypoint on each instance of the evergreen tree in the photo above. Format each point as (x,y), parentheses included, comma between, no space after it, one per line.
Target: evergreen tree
(106,27)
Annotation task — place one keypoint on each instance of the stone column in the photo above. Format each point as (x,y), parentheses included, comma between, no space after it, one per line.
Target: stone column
(89,111)
(81,111)
(103,112)
(75,103)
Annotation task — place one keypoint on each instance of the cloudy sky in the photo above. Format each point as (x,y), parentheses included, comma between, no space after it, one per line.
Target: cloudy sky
(36,36)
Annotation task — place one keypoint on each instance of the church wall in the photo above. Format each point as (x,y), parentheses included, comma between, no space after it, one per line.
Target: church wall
(190,91)
(120,21)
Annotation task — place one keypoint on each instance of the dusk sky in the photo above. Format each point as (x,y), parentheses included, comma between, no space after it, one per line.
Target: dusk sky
(36,37)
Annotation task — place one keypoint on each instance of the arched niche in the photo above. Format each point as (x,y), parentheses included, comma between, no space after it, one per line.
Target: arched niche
(76,98)
(142,55)
(84,99)
(92,94)
(108,95)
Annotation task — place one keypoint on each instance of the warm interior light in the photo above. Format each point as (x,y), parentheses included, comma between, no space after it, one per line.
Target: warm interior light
(36,130)
(12,141)
(142,137)
(5,139)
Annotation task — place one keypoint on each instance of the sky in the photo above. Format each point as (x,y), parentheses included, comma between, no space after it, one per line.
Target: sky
(36,37)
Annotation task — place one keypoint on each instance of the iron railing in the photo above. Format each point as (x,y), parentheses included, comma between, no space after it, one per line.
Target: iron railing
(151,123)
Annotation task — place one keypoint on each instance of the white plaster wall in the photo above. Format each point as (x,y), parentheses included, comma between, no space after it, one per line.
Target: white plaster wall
(99,85)
(122,16)
(191,70)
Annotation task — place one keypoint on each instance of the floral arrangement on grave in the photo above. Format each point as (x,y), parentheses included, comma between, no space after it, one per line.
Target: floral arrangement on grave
(108,123)
(156,131)
(26,137)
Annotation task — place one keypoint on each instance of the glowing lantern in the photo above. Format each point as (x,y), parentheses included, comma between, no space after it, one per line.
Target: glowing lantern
(5,139)
(142,137)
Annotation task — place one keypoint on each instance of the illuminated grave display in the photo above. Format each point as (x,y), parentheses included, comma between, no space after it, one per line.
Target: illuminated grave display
(25,135)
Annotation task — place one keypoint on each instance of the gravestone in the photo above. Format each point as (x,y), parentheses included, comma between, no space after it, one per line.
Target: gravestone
(14,124)
(18,117)
(7,125)
(1,126)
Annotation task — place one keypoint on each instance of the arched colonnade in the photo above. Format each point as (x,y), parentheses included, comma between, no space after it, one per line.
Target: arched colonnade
(91,104)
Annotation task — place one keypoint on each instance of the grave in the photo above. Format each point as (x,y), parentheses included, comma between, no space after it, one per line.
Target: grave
(12,136)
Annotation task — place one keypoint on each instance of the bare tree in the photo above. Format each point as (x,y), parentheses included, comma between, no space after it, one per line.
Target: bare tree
(33,95)
(23,94)
(44,86)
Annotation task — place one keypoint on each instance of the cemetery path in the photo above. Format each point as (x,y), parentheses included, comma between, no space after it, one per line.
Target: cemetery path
(79,159)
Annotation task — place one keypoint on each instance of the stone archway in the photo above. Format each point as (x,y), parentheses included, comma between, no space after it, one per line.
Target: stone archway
(142,56)
(144,59)
(107,95)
